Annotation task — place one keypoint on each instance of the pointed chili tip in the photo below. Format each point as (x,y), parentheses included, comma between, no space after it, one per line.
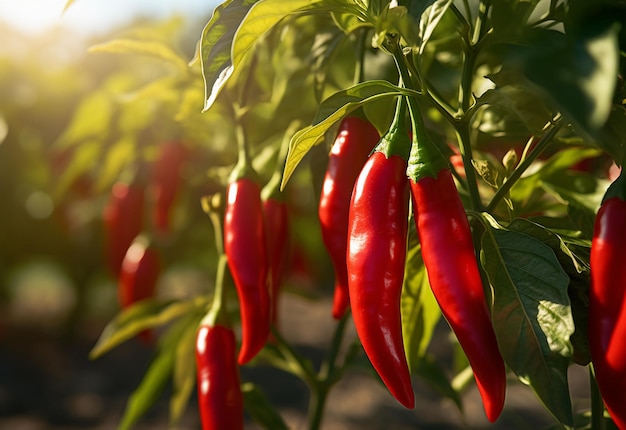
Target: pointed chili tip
(406,397)
(341,301)
(493,401)
(245,355)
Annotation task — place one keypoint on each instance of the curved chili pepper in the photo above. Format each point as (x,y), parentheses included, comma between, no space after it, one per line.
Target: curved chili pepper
(376,255)
(450,261)
(607,300)
(246,249)
(219,393)
(123,219)
(166,182)
(277,231)
(352,146)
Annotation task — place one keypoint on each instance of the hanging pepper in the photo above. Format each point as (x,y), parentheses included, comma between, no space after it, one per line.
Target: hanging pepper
(453,273)
(166,181)
(376,254)
(607,300)
(276,215)
(219,393)
(220,400)
(138,275)
(140,270)
(123,219)
(246,249)
(352,146)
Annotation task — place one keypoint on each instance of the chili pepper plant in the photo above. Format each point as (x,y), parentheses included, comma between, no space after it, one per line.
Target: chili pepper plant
(447,145)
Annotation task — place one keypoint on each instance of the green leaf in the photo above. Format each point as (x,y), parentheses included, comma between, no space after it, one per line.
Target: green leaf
(531,314)
(155,379)
(613,138)
(518,102)
(332,110)
(216,43)
(91,120)
(419,309)
(582,217)
(261,18)
(503,11)
(184,374)
(141,316)
(430,19)
(572,263)
(119,155)
(260,409)
(579,189)
(84,157)
(577,73)
(141,47)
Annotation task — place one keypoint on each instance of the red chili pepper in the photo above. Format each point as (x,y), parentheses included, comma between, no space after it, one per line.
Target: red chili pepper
(123,219)
(219,393)
(376,255)
(450,261)
(166,182)
(607,299)
(246,249)
(354,143)
(277,231)
(138,276)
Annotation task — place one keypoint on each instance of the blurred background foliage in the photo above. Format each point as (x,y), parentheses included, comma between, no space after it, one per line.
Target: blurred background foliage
(80,114)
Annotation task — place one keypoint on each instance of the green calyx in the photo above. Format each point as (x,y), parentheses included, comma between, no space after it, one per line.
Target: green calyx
(396,141)
(617,188)
(425,160)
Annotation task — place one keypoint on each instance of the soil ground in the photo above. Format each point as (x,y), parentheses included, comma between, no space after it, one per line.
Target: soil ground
(48,383)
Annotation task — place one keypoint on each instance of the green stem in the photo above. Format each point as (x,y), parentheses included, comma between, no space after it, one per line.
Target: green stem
(546,139)
(465,148)
(217,314)
(483,10)
(359,69)
(459,16)
(272,188)
(295,362)
(316,407)
(597,405)
(326,378)
(468,10)
(328,368)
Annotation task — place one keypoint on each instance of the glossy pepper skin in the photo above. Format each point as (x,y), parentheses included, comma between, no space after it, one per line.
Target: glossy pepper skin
(219,394)
(123,220)
(449,257)
(352,146)
(166,182)
(246,249)
(139,273)
(607,299)
(378,227)
(138,277)
(276,215)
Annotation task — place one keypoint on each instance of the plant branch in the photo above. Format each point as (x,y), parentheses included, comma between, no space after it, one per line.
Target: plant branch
(326,377)
(551,130)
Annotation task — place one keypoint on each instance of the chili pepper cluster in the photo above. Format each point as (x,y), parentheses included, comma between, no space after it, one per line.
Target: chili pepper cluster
(377,205)
(132,256)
